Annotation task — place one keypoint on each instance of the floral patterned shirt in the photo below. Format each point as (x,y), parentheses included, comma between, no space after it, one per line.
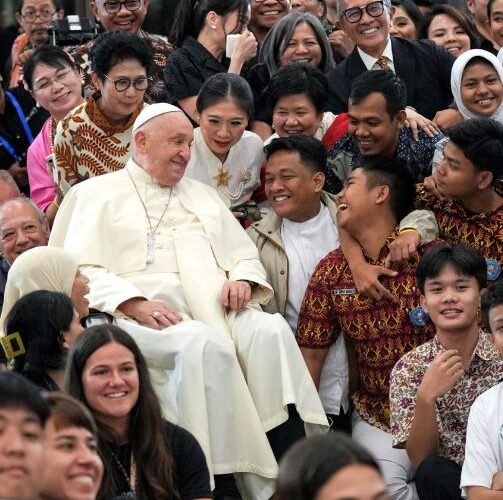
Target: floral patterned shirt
(485,371)
(381,332)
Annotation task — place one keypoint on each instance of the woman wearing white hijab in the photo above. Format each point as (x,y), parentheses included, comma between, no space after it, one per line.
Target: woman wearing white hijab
(46,268)
(477,85)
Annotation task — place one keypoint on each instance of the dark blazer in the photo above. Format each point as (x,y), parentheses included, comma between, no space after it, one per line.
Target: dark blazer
(423,66)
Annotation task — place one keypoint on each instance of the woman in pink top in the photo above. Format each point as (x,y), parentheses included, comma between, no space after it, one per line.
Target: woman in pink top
(54,81)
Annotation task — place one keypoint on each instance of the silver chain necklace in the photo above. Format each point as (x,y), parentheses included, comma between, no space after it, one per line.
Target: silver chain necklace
(151,235)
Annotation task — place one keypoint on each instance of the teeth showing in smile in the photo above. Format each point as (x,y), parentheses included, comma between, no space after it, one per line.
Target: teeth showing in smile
(86,480)
(114,395)
(369,31)
(342,206)
(483,101)
(279,199)
(270,13)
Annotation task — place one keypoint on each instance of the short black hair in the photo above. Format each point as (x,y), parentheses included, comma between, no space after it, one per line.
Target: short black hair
(383,82)
(18,392)
(463,258)
(481,140)
(225,86)
(493,297)
(40,318)
(58,5)
(382,171)
(114,47)
(311,462)
(298,78)
(311,151)
(50,55)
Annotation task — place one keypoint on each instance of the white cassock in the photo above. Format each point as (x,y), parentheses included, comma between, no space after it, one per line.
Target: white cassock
(227,378)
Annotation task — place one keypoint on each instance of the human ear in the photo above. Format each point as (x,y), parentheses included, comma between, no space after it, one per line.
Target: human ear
(485,179)
(319,181)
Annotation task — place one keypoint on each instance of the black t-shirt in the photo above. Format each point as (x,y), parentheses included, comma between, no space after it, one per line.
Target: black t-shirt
(192,476)
(188,67)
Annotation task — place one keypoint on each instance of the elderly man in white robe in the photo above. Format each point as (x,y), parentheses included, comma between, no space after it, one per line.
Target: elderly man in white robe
(167,259)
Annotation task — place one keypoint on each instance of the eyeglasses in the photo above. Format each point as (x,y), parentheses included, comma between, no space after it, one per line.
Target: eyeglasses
(122,84)
(30,14)
(114,7)
(47,83)
(373,9)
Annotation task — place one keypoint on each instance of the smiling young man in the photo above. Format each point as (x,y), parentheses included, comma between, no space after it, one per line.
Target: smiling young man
(423,66)
(23,413)
(433,386)
(482,474)
(376,118)
(461,192)
(378,194)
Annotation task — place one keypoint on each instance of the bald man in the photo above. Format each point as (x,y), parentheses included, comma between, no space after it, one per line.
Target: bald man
(167,259)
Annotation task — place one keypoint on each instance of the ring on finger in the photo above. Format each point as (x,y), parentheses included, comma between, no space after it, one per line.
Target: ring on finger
(155,314)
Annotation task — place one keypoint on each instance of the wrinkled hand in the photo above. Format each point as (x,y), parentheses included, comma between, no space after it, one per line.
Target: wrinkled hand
(19,174)
(403,248)
(442,374)
(245,47)
(430,183)
(366,278)
(341,43)
(235,295)
(418,122)
(497,484)
(152,313)
(447,117)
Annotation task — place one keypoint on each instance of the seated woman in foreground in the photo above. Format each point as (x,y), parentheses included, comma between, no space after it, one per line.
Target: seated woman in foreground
(146,455)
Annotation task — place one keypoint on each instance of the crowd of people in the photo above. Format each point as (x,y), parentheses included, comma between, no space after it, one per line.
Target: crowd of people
(257,259)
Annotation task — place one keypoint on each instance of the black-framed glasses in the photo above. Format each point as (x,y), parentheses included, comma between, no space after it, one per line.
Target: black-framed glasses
(122,84)
(114,7)
(31,14)
(373,9)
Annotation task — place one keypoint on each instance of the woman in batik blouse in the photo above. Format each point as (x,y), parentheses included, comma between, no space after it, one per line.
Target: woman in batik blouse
(95,137)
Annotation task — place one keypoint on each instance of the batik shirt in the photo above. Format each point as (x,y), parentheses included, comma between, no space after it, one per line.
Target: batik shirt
(416,155)
(483,231)
(382,332)
(86,145)
(453,408)
(161,49)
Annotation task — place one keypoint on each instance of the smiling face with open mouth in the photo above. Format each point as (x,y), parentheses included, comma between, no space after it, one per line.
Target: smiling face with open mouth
(303,47)
(451,299)
(73,467)
(481,88)
(111,384)
(296,114)
(292,187)
(370,34)
(123,20)
(266,13)
(449,34)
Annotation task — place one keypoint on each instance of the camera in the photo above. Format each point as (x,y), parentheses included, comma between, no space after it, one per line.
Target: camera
(72,30)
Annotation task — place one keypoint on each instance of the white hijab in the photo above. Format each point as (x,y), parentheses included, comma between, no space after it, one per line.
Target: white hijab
(458,69)
(40,268)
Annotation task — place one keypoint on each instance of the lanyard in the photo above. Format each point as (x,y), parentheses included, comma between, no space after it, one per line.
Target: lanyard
(7,145)
(20,114)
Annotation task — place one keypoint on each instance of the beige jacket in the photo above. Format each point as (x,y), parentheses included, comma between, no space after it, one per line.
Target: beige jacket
(266,234)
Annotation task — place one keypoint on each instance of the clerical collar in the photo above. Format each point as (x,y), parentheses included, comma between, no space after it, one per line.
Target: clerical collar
(313,221)
(139,175)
